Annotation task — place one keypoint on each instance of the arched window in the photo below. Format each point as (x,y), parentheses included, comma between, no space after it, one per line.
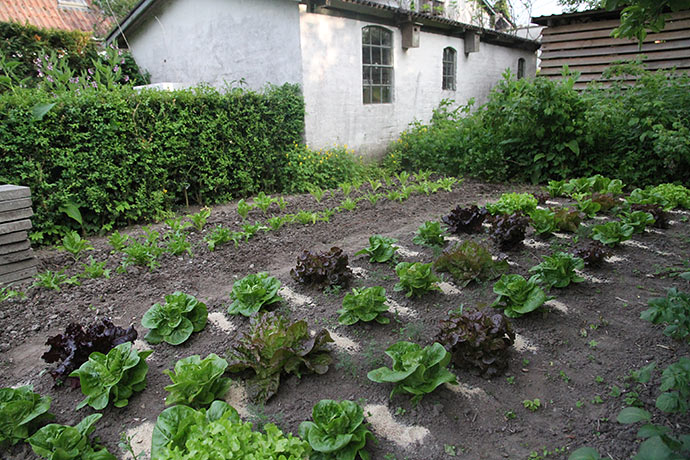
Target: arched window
(521,68)
(450,66)
(377,65)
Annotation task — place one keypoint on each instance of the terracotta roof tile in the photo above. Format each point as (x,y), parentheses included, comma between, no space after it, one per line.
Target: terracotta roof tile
(47,14)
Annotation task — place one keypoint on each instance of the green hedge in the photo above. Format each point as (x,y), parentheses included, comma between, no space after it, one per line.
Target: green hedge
(124,156)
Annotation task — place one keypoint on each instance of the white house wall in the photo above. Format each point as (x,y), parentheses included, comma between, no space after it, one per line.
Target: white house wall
(332,82)
(219,41)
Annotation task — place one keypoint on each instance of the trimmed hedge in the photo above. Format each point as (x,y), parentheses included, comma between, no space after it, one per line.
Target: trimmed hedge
(124,156)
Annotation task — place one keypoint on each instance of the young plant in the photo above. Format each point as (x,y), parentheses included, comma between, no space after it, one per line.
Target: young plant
(197,382)
(317,192)
(658,442)
(612,233)
(661,218)
(415,278)
(175,320)
(508,230)
(638,220)
(593,254)
(337,431)
(252,292)
(430,233)
(674,310)
(250,230)
(365,304)
(402,177)
(6,293)
(558,270)
(275,223)
(588,208)
(243,208)
(21,413)
(346,188)
(510,203)
(281,202)
(375,185)
(348,204)
(478,340)
(176,243)
(61,442)
(322,268)
(543,221)
(373,198)
(567,220)
(469,262)
(447,183)
(53,280)
(669,196)
(532,405)
(263,202)
(75,245)
(606,201)
(143,252)
(306,217)
(199,219)
(416,371)
(273,346)
(221,235)
(675,377)
(115,376)
(118,241)
(518,296)
(465,220)
(380,249)
(95,269)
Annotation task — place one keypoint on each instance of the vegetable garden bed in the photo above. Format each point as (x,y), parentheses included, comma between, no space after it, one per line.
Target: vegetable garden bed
(568,372)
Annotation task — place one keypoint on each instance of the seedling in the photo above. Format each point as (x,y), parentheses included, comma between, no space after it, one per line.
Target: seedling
(346,188)
(510,414)
(348,204)
(199,219)
(532,405)
(510,380)
(263,201)
(597,400)
(593,343)
(579,404)
(118,241)
(317,192)
(375,185)
(75,245)
(53,280)
(95,269)
(243,208)
(599,379)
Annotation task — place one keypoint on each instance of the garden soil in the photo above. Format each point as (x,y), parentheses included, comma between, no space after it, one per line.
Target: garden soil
(569,354)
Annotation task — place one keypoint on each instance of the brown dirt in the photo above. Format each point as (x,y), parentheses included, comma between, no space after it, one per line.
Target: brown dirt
(468,419)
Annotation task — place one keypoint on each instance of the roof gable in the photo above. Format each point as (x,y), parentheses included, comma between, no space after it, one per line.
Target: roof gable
(54,14)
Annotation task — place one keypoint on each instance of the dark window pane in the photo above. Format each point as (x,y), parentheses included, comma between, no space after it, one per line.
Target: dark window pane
(376,95)
(386,38)
(376,55)
(386,94)
(366,75)
(366,95)
(366,36)
(386,76)
(375,36)
(386,56)
(376,76)
(366,55)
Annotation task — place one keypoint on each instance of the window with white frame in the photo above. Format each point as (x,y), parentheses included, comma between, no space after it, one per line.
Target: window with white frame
(377,65)
(450,66)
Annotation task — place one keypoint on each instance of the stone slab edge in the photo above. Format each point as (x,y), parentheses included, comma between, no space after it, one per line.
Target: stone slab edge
(11,205)
(17,214)
(18,226)
(13,192)
(17,276)
(14,237)
(14,247)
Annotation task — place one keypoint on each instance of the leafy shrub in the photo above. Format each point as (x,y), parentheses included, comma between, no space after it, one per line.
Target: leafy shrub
(567,220)
(175,320)
(638,220)
(543,221)
(558,270)
(469,262)
(61,442)
(416,370)
(273,346)
(429,234)
(660,216)
(305,168)
(518,296)
(465,220)
(510,203)
(327,268)
(337,432)
(508,230)
(593,254)
(115,376)
(612,233)
(73,347)
(415,278)
(380,249)
(365,304)
(674,309)
(669,196)
(478,340)
(182,433)
(21,412)
(253,292)
(197,382)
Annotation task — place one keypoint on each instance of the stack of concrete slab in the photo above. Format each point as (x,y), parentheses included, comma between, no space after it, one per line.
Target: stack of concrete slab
(17,261)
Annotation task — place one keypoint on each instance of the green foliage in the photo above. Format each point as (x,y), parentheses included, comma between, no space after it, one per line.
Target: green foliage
(197,382)
(182,433)
(327,268)
(306,169)
(416,370)
(612,233)
(53,280)
(95,269)
(532,405)
(415,278)
(674,310)
(175,320)
(659,444)
(638,16)
(338,431)
(61,442)
(21,412)
(510,203)
(115,376)
(199,219)
(143,251)
(253,292)
(558,270)
(675,377)
(75,245)
(273,346)
(469,262)
(430,233)
(518,296)
(588,207)
(667,195)
(543,221)
(220,236)
(638,220)
(365,304)
(263,201)
(567,220)
(118,241)
(380,249)
(6,293)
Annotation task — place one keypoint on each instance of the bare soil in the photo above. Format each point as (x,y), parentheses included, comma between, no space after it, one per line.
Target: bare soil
(569,354)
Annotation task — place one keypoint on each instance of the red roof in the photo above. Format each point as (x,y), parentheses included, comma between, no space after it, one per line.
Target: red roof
(48,14)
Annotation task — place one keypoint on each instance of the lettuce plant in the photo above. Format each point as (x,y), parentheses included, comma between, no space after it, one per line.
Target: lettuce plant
(322,268)
(674,310)
(638,220)
(558,270)
(593,254)
(253,292)
(667,195)
(612,233)
(72,348)
(510,203)
(416,370)
(508,230)
(465,220)
(415,278)
(478,340)
(543,221)
(567,220)
(337,432)
(175,319)
(197,382)
(606,201)
(21,412)
(115,376)
(660,216)
(365,304)
(588,207)
(182,433)
(469,262)
(429,233)
(380,249)
(61,442)
(518,296)
(273,346)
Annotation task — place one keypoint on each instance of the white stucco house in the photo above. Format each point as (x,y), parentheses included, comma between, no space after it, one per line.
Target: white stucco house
(367,68)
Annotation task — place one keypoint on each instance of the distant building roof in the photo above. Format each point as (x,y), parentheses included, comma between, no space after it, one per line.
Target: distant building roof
(54,14)
(576,16)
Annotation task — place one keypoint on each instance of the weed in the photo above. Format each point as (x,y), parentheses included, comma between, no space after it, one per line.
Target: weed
(6,293)
(615,391)
(125,445)
(510,380)
(593,343)
(399,411)
(579,404)
(597,400)
(599,379)
(346,363)
(449,449)
(510,414)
